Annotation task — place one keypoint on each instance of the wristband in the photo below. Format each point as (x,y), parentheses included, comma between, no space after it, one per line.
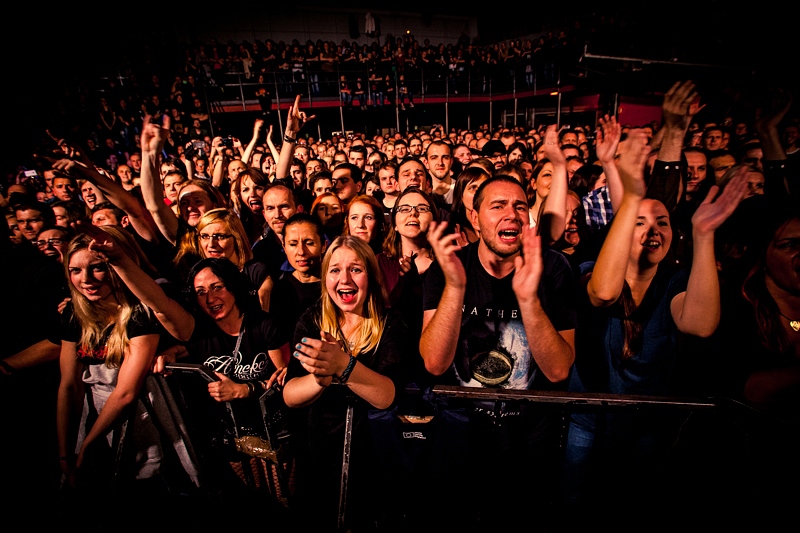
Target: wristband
(251,388)
(288,139)
(347,371)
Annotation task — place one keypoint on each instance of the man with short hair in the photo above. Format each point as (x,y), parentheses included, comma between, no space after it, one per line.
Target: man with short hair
(107,214)
(415,146)
(696,169)
(64,188)
(32,217)
(125,177)
(439,161)
(135,162)
(347,181)
(279,204)
(412,173)
(752,155)
(712,138)
(358,156)
(387,176)
(400,149)
(721,162)
(568,136)
(499,314)
(495,151)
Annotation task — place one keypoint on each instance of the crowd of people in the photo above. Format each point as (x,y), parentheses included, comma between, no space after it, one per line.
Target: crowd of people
(330,285)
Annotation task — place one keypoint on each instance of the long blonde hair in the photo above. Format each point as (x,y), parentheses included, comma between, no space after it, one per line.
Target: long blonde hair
(95,322)
(331,319)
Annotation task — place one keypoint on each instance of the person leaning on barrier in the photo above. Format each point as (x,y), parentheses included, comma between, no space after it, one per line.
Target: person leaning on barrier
(500,313)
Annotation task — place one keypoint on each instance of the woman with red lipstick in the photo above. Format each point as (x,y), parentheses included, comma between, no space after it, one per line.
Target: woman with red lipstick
(349,350)
(637,307)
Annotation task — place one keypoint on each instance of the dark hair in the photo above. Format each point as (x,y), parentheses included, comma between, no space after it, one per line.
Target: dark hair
(480,193)
(392,243)
(584,179)
(359,148)
(119,213)
(45,210)
(237,283)
(305,218)
(355,172)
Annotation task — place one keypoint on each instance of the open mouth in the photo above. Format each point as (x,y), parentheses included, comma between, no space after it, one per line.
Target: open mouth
(347,296)
(508,235)
(652,245)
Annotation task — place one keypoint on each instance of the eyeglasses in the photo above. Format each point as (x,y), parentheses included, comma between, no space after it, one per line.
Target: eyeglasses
(406,209)
(219,237)
(49,242)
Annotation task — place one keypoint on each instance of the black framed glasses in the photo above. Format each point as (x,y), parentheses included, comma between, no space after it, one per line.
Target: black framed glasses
(219,237)
(406,209)
(49,242)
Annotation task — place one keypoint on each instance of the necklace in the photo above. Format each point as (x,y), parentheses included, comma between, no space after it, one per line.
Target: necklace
(794,324)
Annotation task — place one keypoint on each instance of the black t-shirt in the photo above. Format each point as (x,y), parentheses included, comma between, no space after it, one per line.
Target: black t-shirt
(269,251)
(291,298)
(142,322)
(491,324)
(320,472)
(211,346)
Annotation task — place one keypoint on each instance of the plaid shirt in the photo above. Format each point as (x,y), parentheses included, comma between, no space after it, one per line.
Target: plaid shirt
(597,206)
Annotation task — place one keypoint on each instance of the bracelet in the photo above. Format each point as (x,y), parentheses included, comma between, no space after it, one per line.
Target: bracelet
(251,388)
(346,374)
(288,139)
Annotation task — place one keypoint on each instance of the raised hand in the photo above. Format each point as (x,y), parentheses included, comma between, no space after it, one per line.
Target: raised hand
(770,114)
(296,119)
(710,214)
(528,266)
(632,160)
(608,135)
(551,148)
(154,135)
(680,104)
(444,246)
(103,243)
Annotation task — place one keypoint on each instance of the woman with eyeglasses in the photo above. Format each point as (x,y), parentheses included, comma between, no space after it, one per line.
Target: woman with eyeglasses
(407,255)
(222,235)
(221,326)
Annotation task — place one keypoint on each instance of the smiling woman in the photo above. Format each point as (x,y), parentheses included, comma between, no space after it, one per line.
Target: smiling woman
(349,351)
(109,342)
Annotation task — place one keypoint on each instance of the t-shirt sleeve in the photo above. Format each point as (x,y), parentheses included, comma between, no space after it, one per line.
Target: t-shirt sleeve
(143,322)
(432,287)
(559,294)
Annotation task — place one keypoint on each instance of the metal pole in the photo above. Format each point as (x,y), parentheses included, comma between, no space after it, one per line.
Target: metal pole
(348,435)
(241,93)
(516,100)
(277,103)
